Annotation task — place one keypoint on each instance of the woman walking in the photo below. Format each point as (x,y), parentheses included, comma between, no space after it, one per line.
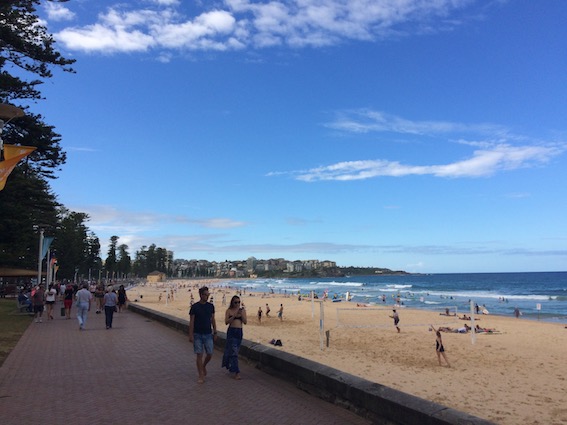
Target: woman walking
(122,298)
(68,300)
(439,349)
(50,297)
(234,317)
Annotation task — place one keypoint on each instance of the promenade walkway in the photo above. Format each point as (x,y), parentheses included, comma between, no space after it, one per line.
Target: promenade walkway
(140,372)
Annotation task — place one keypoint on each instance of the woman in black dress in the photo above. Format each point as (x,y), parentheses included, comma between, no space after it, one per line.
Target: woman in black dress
(439,349)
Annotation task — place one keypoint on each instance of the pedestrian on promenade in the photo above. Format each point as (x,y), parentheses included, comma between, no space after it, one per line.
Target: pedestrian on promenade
(50,297)
(280,312)
(38,299)
(396,318)
(202,331)
(122,298)
(235,317)
(83,298)
(68,300)
(110,302)
(99,296)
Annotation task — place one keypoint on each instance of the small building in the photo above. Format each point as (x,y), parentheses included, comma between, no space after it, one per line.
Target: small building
(155,277)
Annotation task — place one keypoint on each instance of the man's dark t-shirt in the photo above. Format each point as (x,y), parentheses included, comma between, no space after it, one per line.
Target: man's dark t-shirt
(203,314)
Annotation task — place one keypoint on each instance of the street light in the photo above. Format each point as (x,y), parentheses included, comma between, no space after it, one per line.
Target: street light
(10,155)
(7,114)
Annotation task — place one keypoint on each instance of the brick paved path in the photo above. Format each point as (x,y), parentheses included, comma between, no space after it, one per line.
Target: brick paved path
(140,372)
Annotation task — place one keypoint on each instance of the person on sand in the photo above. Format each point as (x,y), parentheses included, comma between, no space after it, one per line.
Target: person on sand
(202,331)
(396,318)
(260,315)
(280,312)
(267,310)
(234,317)
(439,349)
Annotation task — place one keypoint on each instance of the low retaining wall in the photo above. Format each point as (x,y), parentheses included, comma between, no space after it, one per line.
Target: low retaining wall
(378,403)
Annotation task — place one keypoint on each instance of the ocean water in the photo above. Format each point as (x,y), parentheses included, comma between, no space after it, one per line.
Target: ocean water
(539,296)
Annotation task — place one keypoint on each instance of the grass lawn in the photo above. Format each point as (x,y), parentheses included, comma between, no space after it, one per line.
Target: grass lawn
(12,326)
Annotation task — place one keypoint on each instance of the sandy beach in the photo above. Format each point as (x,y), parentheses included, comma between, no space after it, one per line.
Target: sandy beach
(514,375)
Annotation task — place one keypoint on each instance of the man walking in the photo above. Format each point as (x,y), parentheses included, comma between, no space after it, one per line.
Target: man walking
(83,297)
(202,331)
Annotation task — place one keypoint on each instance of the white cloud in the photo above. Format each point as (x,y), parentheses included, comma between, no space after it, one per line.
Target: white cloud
(367,121)
(482,163)
(236,24)
(493,154)
(105,217)
(104,39)
(220,223)
(196,34)
(166,2)
(58,12)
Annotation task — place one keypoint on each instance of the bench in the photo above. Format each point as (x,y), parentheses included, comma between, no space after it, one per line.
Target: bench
(22,308)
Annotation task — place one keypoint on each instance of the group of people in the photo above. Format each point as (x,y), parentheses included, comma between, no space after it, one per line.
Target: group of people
(203,332)
(40,300)
(260,312)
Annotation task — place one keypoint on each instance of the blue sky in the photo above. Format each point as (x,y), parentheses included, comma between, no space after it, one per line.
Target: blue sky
(428,136)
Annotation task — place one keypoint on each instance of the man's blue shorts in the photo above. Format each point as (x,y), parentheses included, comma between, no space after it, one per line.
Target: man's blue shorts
(203,342)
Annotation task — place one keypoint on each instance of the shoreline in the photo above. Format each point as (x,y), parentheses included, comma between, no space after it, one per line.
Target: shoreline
(434,301)
(514,375)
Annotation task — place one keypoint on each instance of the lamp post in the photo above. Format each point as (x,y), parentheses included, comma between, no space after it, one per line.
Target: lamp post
(7,113)
(40,257)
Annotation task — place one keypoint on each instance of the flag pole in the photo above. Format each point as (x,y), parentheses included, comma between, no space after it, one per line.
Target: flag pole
(40,257)
(48,269)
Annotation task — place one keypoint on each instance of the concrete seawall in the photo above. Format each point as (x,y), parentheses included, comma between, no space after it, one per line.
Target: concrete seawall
(378,403)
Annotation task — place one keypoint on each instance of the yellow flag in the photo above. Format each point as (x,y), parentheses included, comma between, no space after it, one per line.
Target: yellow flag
(12,155)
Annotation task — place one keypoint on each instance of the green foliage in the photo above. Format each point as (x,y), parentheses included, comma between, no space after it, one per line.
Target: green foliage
(152,259)
(27,58)
(75,248)
(110,264)
(12,326)
(26,205)
(124,266)
(26,44)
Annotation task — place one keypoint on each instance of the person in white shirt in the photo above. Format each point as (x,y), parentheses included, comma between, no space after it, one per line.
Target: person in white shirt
(50,297)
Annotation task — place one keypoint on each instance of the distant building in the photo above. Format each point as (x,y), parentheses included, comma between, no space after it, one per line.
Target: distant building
(155,277)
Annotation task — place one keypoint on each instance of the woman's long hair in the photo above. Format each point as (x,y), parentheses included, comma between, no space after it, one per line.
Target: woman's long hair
(233,299)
